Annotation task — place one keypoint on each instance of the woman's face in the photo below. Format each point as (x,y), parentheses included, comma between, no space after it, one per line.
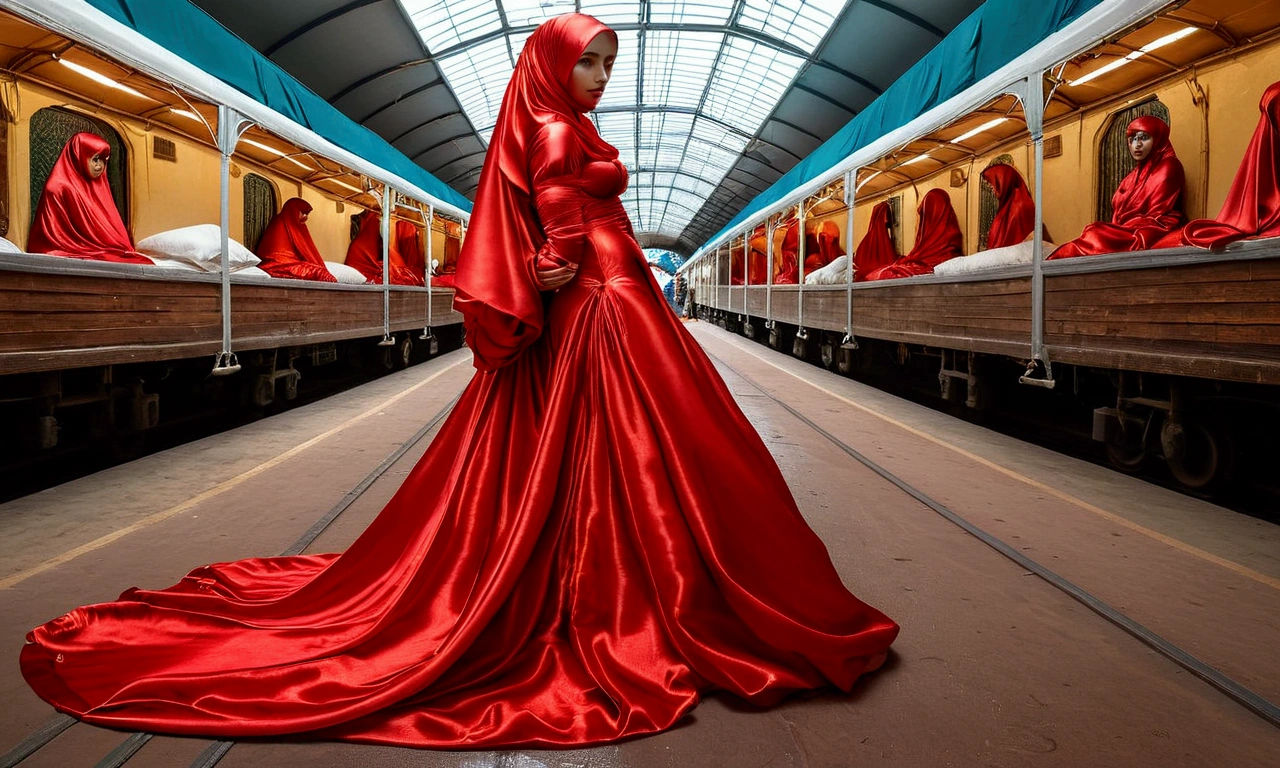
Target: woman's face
(96,166)
(1140,144)
(591,73)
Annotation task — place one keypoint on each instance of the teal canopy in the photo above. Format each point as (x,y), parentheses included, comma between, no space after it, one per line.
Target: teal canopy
(995,34)
(189,32)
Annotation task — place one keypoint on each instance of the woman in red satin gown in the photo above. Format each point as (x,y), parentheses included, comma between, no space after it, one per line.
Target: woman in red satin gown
(76,216)
(1147,205)
(365,254)
(286,248)
(578,557)
(938,239)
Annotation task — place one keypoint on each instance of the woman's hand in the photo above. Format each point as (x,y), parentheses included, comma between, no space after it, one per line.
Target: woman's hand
(555,277)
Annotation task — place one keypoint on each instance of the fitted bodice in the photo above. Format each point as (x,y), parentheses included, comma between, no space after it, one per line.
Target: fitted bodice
(613,253)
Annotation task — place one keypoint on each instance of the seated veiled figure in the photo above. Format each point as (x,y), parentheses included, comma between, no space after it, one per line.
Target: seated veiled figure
(1016,211)
(1147,205)
(758,257)
(365,254)
(286,247)
(827,248)
(1252,207)
(876,249)
(76,216)
(787,265)
(409,245)
(938,239)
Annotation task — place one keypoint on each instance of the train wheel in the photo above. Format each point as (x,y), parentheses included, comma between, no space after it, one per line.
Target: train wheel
(405,349)
(1127,449)
(749,329)
(828,352)
(1204,458)
(844,360)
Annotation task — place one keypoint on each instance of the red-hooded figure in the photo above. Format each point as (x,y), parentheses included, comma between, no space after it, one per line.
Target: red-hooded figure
(758,258)
(409,245)
(1015,211)
(876,249)
(1252,207)
(938,239)
(827,247)
(365,254)
(577,558)
(286,248)
(1146,206)
(76,216)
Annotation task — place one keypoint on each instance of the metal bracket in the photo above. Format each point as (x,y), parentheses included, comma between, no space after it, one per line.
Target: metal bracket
(1038,374)
(225,364)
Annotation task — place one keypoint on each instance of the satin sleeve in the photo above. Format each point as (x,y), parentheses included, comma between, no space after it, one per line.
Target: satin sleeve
(555,162)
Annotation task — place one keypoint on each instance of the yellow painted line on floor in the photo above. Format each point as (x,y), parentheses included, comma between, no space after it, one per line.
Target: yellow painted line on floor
(216,490)
(1182,546)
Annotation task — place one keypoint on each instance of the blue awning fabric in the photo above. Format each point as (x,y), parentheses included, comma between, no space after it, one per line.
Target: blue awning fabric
(189,32)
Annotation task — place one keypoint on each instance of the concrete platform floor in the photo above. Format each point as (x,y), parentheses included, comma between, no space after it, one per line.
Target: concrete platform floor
(994,667)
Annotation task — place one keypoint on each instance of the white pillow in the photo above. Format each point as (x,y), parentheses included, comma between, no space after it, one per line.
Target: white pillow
(831,274)
(8,247)
(200,245)
(992,259)
(164,262)
(345,274)
(252,272)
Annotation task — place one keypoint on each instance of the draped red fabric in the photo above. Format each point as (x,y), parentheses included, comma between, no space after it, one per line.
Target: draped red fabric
(286,248)
(828,248)
(938,239)
(787,265)
(876,249)
(737,265)
(1015,211)
(577,558)
(497,291)
(1146,206)
(1252,207)
(365,254)
(758,258)
(409,245)
(76,216)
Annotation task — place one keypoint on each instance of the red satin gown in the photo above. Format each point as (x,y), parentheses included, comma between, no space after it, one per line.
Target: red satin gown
(937,240)
(1146,207)
(76,216)
(595,539)
(409,245)
(1252,207)
(876,249)
(1015,212)
(286,248)
(365,254)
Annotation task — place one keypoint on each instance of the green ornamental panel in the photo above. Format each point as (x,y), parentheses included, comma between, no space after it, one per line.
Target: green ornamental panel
(259,208)
(51,129)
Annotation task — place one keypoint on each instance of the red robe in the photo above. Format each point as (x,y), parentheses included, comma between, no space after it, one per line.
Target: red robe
(445,274)
(788,263)
(1016,211)
(827,248)
(409,245)
(876,249)
(758,258)
(938,239)
(577,558)
(1252,207)
(286,248)
(76,216)
(1146,206)
(365,254)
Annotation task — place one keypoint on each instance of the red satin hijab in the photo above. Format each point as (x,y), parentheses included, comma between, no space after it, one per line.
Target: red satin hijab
(1147,205)
(1016,211)
(1252,208)
(365,254)
(76,216)
(496,291)
(876,249)
(938,239)
(286,247)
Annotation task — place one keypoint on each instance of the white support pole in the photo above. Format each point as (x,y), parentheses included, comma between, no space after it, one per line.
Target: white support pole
(800,331)
(426,332)
(386,272)
(769,230)
(230,127)
(1039,373)
(850,193)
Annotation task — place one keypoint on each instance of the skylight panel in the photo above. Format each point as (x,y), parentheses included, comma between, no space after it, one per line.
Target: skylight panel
(690,12)
(750,80)
(619,129)
(677,66)
(621,90)
(663,136)
(611,12)
(531,13)
(444,25)
(800,23)
(478,76)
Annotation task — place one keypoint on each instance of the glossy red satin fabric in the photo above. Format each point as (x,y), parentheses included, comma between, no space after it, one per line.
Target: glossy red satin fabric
(1252,207)
(497,292)
(1147,205)
(286,248)
(876,249)
(365,254)
(758,258)
(409,245)
(938,239)
(1015,210)
(828,249)
(788,263)
(579,556)
(76,216)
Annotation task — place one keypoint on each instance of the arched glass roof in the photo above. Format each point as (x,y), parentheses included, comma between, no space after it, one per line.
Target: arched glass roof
(693,84)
